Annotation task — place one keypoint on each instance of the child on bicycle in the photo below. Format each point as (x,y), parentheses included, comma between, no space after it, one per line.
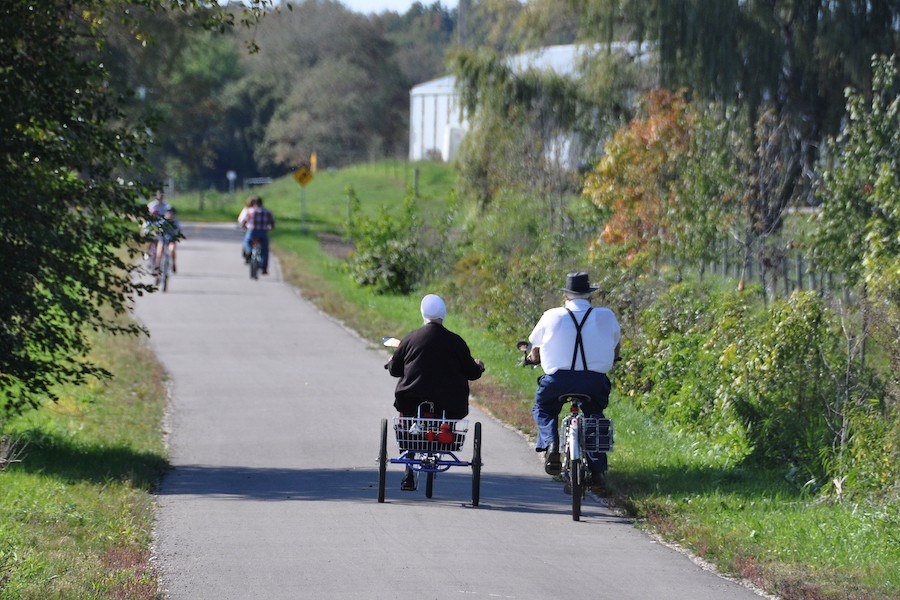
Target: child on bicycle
(169,234)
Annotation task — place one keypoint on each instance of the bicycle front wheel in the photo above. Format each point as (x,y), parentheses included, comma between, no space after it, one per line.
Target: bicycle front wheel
(164,269)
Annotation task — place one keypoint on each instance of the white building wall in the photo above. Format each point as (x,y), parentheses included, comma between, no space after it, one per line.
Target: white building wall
(435,127)
(435,124)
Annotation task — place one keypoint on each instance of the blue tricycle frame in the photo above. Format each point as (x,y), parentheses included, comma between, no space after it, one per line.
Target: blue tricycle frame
(429,445)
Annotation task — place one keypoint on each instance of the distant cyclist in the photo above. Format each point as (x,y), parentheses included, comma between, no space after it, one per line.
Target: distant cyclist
(247,206)
(169,234)
(156,209)
(258,222)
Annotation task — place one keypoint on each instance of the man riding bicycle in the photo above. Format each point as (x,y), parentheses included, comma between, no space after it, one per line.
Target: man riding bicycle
(434,366)
(576,345)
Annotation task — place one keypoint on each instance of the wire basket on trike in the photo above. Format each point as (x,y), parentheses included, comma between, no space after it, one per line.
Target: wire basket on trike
(429,445)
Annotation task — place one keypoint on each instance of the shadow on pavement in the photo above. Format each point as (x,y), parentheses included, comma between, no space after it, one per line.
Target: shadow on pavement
(499,492)
(225,232)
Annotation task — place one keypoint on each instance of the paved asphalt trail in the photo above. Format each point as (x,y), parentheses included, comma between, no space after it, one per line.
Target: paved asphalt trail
(274,432)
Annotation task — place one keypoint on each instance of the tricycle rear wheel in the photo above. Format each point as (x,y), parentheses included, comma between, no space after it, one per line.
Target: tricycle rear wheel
(476,465)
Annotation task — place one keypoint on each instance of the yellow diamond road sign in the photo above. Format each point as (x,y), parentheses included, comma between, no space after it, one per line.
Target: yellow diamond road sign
(303,175)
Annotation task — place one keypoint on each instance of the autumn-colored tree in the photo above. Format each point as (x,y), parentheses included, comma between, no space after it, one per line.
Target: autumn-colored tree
(635,180)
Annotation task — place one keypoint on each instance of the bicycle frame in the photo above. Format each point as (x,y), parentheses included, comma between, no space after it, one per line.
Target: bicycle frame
(255,257)
(581,434)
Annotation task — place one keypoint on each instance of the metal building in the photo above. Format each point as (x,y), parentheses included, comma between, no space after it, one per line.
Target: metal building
(436,126)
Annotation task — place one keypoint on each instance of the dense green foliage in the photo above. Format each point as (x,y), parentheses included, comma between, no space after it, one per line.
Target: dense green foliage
(65,214)
(794,57)
(771,386)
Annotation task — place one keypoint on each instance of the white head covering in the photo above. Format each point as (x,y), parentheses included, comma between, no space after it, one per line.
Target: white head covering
(433,308)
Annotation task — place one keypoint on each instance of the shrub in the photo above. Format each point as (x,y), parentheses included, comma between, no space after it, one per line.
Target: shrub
(682,364)
(773,387)
(389,255)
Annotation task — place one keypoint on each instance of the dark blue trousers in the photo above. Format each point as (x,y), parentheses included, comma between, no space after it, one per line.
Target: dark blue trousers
(548,404)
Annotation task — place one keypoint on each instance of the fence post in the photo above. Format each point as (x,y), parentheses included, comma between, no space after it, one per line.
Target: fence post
(799,272)
(785,273)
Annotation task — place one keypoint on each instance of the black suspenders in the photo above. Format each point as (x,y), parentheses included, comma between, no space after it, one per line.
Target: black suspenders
(579,343)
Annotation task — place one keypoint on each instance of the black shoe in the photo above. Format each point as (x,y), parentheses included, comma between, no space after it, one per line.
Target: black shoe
(552,464)
(265,272)
(409,481)
(598,482)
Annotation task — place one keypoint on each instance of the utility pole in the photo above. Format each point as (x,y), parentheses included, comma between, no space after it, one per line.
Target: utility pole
(461,23)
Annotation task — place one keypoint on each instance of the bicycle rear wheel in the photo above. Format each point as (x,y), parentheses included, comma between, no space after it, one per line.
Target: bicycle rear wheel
(576,475)
(382,460)
(476,465)
(254,262)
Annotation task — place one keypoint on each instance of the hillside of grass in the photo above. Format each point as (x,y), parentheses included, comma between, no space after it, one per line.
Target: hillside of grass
(323,205)
(753,523)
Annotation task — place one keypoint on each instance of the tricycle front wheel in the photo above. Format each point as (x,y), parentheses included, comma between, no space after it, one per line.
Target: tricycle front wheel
(429,484)
(382,460)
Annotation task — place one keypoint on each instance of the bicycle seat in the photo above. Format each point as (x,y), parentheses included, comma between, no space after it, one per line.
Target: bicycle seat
(578,397)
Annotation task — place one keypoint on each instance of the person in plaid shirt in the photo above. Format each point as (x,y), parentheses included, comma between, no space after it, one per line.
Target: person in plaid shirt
(258,221)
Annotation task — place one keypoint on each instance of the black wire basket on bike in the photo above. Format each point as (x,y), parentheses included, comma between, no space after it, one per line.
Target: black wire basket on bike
(598,434)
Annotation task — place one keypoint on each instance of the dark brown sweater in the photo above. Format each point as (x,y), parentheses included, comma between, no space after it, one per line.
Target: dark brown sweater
(434,365)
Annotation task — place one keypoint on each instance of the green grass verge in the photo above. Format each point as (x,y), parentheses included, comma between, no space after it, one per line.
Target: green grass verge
(76,514)
(754,524)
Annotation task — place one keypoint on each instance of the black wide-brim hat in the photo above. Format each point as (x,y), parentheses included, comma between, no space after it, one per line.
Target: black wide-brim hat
(578,283)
